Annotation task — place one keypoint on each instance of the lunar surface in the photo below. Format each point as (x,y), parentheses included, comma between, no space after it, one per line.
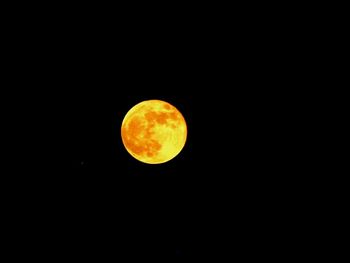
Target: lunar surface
(154,131)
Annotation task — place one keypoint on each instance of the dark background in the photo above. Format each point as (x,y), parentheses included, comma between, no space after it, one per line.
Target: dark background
(224,195)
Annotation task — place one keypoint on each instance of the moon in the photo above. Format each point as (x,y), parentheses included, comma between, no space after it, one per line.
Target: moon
(154,131)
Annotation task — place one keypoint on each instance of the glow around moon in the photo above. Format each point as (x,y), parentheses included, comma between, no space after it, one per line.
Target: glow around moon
(154,131)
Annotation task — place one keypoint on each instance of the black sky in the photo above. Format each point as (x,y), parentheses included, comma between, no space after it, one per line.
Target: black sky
(222,195)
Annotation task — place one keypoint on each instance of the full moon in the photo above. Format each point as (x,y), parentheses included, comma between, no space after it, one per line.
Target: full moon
(154,131)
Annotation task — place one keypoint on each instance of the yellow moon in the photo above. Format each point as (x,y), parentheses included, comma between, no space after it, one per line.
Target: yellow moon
(154,131)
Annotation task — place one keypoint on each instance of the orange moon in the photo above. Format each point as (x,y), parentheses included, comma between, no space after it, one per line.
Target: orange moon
(154,131)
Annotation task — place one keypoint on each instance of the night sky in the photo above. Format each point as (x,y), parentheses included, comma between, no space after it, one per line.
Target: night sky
(223,195)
